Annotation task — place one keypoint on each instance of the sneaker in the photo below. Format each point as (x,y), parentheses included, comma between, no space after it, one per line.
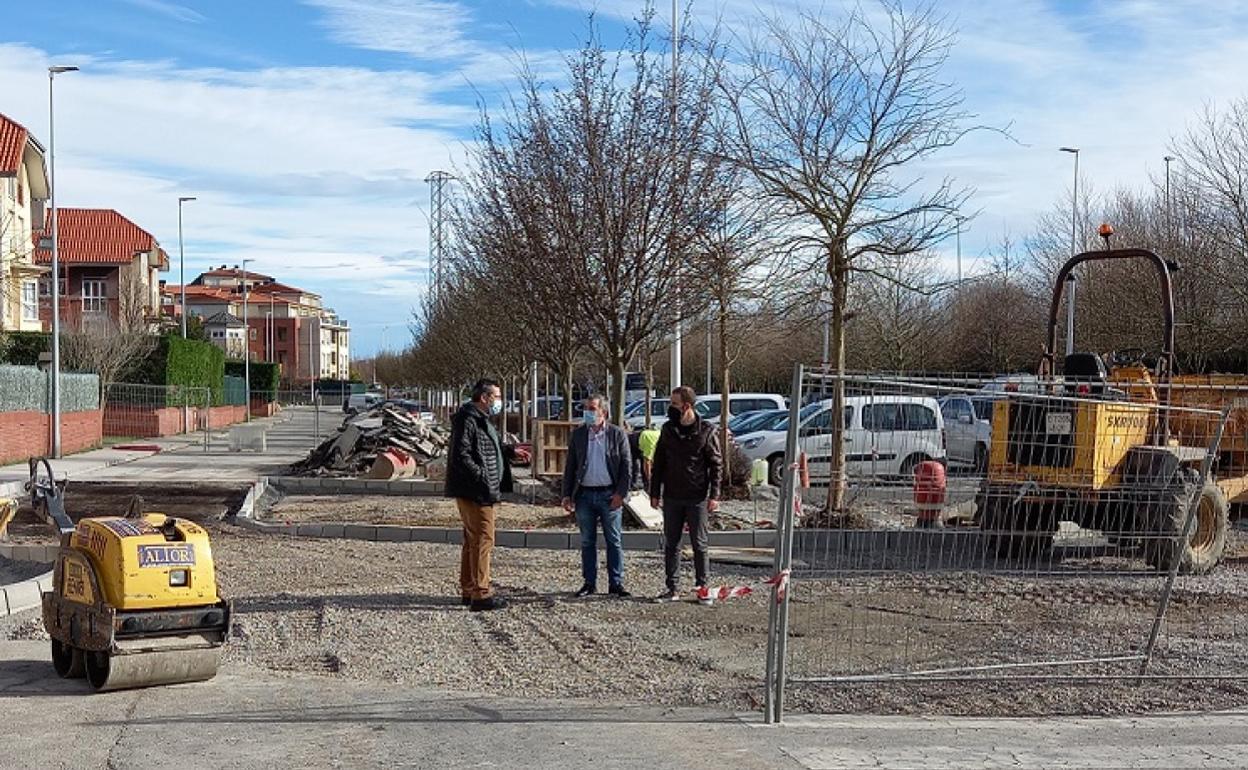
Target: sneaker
(487,604)
(707,599)
(619,592)
(668,596)
(586,590)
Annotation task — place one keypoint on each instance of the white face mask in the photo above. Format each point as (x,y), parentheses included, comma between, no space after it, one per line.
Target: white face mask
(496,407)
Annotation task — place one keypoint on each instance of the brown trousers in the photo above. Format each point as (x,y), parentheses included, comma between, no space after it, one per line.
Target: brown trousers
(474,560)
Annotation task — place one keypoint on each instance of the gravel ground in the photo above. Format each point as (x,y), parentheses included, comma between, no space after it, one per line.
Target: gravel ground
(415,511)
(390,612)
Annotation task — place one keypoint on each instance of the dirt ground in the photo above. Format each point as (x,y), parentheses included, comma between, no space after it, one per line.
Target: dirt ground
(415,511)
(390,612)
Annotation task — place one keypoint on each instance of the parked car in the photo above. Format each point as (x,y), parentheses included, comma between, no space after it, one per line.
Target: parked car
(968,430)
(359,402)
(738,403)
(752,422)
(635,415)
(884,436)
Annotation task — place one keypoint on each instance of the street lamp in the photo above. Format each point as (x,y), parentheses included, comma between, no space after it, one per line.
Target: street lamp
(1074,238)
(56,270)
(182,263)
(1169,222)
(246,348)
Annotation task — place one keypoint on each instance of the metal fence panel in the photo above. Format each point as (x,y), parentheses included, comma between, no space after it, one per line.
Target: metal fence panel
(26,388)
(1070,507)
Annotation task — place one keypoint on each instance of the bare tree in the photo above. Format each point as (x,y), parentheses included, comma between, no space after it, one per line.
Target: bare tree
(830,118)
(616,184)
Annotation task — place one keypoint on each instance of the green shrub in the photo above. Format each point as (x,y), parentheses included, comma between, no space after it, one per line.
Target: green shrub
(265,378)
(175,361)
(23,348)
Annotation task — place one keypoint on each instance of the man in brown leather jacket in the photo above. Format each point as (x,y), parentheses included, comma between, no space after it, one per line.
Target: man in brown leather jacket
(685,483)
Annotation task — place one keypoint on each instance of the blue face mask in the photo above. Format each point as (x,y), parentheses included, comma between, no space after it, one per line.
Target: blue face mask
(496,407)
(589,418)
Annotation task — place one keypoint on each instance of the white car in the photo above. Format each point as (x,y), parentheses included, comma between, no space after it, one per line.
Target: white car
(884,436)
(968,430)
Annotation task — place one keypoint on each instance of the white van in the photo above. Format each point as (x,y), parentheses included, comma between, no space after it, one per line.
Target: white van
(884,436)
(361,402)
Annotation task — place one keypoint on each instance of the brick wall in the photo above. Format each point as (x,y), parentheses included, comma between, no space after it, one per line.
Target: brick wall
(224,416)
(27,434)
(144,421)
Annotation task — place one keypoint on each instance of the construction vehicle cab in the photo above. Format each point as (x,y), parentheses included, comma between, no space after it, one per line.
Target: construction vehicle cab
(134,599)
(1108,446)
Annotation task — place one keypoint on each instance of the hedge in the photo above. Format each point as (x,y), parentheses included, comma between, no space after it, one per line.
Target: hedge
(23,348)
(176,361)
(265,378)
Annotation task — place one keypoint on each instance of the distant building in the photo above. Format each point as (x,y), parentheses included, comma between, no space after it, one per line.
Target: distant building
(23,192)
(227,332)
(285,324)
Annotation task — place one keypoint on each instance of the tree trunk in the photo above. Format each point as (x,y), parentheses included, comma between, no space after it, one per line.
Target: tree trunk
(567,391)
(649,387)
(524,405)
(618,364)
(724,390)
(840,285)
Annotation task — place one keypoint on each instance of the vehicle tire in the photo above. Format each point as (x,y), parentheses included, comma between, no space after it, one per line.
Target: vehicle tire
(981,459)
(67,661)
(910,463)
(775,470)
(1205,544)
(1017,533)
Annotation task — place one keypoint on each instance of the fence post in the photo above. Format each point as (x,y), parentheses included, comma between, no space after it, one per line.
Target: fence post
(777,613)
(316,419)
(1192,504)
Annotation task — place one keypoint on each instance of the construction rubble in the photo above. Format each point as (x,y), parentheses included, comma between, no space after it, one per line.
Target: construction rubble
(384,442)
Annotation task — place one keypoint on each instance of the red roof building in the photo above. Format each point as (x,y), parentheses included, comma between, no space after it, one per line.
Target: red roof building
(23,191)
(108,269)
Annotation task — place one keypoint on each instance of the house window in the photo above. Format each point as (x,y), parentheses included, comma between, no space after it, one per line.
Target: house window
(21,195)
(93,297)
(281,334)
(252,333)
(30,300)
(45,287)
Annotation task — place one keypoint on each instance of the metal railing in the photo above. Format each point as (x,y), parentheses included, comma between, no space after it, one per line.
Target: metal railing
(963,529)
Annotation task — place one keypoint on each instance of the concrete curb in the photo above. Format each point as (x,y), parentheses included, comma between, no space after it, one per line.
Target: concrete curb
(298,485)
(23,595)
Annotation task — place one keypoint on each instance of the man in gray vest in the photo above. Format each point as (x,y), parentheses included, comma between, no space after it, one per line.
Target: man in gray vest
(596,479)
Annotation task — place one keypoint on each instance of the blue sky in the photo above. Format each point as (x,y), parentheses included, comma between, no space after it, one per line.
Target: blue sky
(306,127)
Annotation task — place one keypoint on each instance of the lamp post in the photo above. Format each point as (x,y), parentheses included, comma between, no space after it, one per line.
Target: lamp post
(676,374)
(246,348)
(182,263)
(56,271)
(1169,222)
(1074,239)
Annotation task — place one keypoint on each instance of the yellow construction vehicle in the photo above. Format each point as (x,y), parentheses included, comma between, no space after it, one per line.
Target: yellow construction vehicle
(1117,449)
(134,599)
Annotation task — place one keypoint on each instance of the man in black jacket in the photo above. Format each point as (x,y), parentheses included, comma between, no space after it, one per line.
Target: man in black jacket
(597,476)
(685,483)
(478,471)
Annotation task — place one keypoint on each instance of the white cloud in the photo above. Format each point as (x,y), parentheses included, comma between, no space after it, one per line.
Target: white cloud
(171,10)
(424,29)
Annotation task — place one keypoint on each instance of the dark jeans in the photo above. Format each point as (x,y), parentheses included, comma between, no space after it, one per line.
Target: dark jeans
(676,514)
(593,507)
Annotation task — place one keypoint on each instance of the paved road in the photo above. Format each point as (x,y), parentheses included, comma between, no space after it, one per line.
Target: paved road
(183,458)
(247,718)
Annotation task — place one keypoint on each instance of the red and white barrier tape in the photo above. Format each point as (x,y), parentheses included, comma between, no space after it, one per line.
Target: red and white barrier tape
(780,581)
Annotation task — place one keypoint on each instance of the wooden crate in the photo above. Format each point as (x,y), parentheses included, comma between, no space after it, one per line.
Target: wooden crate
(550,447)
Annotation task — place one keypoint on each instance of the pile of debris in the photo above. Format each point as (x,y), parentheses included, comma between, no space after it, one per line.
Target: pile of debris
(382,442)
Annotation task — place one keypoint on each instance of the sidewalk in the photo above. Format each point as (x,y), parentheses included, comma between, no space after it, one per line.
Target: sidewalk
(183,458)
(248,717)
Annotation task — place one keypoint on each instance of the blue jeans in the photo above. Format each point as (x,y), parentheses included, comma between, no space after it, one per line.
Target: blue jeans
(592,507)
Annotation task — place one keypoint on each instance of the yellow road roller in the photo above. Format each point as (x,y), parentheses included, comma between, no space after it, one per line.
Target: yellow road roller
(134,598)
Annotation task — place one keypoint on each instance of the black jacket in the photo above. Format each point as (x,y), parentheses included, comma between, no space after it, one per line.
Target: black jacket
(687,462)
(478,466)
(619,460)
